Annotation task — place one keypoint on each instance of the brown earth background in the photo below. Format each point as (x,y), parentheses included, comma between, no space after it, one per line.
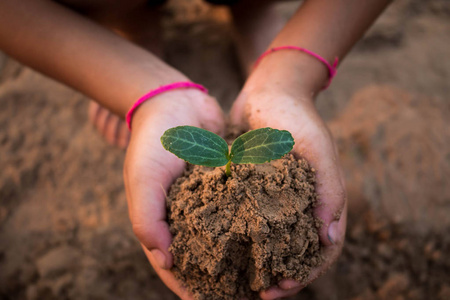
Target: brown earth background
(64,228)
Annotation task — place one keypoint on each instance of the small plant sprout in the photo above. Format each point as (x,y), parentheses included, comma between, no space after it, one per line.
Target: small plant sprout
(202,147)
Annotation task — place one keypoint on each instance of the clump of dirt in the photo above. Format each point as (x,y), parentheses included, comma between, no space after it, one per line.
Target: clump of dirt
(237,236)
(397,148)
(391,261)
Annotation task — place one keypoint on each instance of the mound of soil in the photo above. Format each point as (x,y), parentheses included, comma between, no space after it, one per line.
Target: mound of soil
(394,145)
(236,236)
(391,261)
(61,188)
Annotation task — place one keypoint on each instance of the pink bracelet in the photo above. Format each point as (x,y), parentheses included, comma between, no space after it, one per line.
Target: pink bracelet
(331,68)
(161,89)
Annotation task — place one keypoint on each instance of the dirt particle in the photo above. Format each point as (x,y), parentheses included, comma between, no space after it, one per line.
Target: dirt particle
(57,261)
(254,228)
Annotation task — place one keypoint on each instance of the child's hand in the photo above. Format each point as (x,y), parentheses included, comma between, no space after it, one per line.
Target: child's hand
(265,106)
(150,170)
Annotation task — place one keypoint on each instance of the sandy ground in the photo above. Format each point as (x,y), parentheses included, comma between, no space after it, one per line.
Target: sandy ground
(64,228)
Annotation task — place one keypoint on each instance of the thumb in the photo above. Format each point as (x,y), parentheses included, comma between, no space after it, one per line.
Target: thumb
(148,173)
(150,170)
(320,151)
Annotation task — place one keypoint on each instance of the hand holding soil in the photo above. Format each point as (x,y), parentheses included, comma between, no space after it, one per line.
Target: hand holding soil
(149,169)
(148,214)
(112,53)
(238,231)
(261,107)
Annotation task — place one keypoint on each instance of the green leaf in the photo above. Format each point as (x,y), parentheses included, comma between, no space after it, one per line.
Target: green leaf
(261,145)
(196,146)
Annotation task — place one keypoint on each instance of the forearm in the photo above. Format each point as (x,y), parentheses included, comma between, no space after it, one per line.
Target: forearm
(329,28)
(74,50)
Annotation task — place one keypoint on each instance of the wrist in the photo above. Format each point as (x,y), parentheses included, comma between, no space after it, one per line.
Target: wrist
(162,90)
(182,106)
(146,82)
(290,72)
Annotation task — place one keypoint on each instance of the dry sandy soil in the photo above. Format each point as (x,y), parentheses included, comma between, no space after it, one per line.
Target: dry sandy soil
(64,228)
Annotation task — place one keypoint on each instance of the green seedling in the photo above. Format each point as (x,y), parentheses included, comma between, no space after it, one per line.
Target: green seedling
(202,147)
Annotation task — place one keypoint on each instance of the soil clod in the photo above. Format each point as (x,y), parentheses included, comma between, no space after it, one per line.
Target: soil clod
(237,236)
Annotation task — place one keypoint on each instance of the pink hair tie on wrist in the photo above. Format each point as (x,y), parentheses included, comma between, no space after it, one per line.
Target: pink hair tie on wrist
(161,89)
(332,69)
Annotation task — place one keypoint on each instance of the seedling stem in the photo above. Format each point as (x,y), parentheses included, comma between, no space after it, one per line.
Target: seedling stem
(228,168)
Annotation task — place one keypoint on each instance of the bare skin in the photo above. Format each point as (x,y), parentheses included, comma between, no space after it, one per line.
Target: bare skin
(115,72)
(280,93)
(129,20)
(256,24)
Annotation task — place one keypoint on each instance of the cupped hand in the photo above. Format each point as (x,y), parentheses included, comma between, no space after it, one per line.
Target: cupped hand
(268,106)
(149,170)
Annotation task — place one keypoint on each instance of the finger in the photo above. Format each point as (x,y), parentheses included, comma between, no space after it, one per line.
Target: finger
(93,110)
(276,293)
(148,176)
(332,252)
(319,151)
(101,119)
(111,129)
(123,135)
(150,170)
(169,279)
(314,142)
(288,284)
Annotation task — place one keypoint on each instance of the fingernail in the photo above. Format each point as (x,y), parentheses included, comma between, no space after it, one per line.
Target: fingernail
(333,232)
(159,258)
(288,284)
